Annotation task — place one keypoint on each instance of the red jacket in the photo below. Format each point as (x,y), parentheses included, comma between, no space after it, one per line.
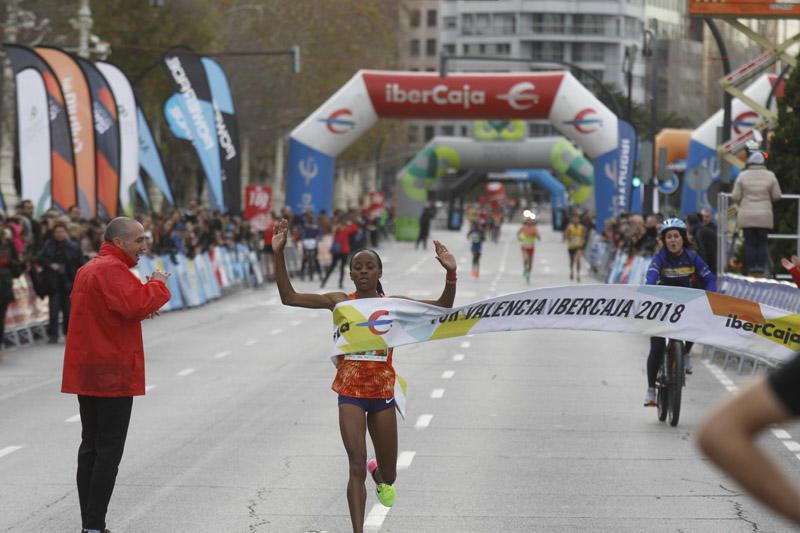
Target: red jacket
(104,354)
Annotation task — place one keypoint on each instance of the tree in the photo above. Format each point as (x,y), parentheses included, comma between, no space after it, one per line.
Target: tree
(784,161)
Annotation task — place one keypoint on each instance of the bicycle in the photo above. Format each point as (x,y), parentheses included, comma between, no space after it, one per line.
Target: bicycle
(670,382)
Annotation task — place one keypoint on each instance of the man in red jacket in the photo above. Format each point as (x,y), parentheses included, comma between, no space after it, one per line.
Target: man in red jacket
(104,358)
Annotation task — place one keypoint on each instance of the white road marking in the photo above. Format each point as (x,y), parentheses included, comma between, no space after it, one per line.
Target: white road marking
(465,344)
(437,393)
(250,342)
(781,434)
(458,357)
(419,292)
(220,355)
(447,374)
(275,331)
(375,518)
(296,322)
(791,445)
(468,294)
(8,450)
(73,418)
(149,388)
(185,372)
(404,460)
(423,421)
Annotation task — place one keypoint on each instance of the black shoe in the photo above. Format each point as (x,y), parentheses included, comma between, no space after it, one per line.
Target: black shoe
(52,340)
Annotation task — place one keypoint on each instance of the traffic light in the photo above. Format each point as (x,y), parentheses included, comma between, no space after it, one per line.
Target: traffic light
(636,181)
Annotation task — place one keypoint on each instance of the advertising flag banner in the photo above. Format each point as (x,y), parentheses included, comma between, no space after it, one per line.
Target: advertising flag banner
(78,101)
(107,140)
(227,135)
(613,173)
(258,206)
(370,325)
(34,140)
(190,115)
(128,133)
(61,158)
(150,160)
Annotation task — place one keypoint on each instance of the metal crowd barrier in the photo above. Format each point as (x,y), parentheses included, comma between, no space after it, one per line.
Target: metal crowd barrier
(194,282)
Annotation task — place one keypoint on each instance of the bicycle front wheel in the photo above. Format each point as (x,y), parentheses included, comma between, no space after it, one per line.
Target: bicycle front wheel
(675,369)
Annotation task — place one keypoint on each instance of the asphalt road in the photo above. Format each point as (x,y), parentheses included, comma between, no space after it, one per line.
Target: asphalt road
(516,432)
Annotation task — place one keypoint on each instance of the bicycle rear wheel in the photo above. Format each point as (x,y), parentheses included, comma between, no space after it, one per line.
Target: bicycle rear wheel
(675,370)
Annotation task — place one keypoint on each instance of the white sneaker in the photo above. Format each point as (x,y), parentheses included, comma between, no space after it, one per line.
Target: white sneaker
(650,397)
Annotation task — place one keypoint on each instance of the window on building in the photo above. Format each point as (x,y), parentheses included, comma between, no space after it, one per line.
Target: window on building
(430,47)
(414,18)
(430,131)
(413,133)
(503,49)
(431,18)
(413,49)
(547,50)
(449,49)
(588,52)
(450,23)
(464,131)
(481,49)
(541,23)
(466,49)
(482,24)
(504,24)
(448,130)
(589,24)
(467,24)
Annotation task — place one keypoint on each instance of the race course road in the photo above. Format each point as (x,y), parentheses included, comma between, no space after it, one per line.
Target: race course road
(539,431)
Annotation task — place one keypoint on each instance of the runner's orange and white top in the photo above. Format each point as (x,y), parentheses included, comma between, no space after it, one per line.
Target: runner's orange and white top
(365,374)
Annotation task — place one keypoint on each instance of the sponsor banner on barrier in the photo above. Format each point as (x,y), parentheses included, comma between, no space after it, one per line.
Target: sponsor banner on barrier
(652,310)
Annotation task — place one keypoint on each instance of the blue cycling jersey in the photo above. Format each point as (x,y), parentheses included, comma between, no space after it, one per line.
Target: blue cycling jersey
(680,270)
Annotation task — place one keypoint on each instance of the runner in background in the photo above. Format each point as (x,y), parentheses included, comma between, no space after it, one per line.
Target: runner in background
(527,235)
(476,236)
(364,381)
(575,235)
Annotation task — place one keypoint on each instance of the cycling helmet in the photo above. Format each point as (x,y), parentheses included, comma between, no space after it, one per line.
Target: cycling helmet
(673,223)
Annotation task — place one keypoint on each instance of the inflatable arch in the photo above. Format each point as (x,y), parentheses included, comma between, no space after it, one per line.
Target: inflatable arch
(703,144)
(557,96)
(548,182)
(443,154)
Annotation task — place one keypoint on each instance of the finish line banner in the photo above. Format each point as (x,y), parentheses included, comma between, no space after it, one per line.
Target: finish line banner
(710,318)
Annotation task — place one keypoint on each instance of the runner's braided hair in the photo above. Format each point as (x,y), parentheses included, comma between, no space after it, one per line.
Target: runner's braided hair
(380,264)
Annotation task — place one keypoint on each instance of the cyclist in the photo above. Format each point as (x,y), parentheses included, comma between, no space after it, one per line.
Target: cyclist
(527,235)
(674,265)
(575,235)
(476,236)
(364,381)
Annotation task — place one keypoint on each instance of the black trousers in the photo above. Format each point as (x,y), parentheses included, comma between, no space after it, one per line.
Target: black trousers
(105,427)
(657,347)
(342,260)
(58,303)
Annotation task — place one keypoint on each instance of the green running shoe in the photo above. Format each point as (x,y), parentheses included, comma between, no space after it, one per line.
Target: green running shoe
(386,494)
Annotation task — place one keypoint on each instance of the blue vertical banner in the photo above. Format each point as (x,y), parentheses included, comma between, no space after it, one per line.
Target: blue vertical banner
(190,115)
(150,161)
(310,183)
(613,173)
(227,135)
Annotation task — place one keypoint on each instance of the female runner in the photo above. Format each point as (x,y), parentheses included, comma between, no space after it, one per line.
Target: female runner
(364,381)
